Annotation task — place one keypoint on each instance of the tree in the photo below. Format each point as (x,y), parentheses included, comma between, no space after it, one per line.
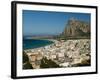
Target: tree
(26,63)
(45,63)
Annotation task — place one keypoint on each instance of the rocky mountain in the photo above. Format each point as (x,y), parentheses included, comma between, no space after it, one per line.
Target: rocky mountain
(76,28)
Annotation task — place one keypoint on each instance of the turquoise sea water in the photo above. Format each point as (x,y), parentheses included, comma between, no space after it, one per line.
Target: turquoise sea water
(35,43)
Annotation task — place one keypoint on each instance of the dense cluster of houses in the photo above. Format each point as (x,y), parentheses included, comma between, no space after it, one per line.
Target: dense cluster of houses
(65,53)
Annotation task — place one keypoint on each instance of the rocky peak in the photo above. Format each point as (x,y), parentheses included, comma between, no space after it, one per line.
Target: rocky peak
(75,28)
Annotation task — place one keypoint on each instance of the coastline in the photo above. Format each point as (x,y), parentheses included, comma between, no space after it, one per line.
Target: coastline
(65,53)
(52,40)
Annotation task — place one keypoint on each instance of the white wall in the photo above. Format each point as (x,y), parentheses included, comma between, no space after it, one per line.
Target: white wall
(5,37)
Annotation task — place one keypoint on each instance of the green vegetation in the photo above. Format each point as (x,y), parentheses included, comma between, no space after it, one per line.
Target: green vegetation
(26,64)
(83,63)
(45,63)
(25,57)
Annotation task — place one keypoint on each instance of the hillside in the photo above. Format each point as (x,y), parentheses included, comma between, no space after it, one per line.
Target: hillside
(76,29)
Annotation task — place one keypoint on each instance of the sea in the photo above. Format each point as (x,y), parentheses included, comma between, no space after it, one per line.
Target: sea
(35,43)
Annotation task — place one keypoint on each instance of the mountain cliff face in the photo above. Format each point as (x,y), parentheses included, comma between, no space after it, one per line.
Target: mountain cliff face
(76,28)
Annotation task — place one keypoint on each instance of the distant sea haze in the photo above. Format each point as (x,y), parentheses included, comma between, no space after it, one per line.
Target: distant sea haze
(46,34)
(35,43)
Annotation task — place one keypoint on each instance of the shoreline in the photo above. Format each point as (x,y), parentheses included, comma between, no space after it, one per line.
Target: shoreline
(66,54)
(54,41)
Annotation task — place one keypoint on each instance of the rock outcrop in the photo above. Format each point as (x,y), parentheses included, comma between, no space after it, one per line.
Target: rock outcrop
(76,28)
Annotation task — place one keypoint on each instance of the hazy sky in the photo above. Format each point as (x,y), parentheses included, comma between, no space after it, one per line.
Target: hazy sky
(44,22)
